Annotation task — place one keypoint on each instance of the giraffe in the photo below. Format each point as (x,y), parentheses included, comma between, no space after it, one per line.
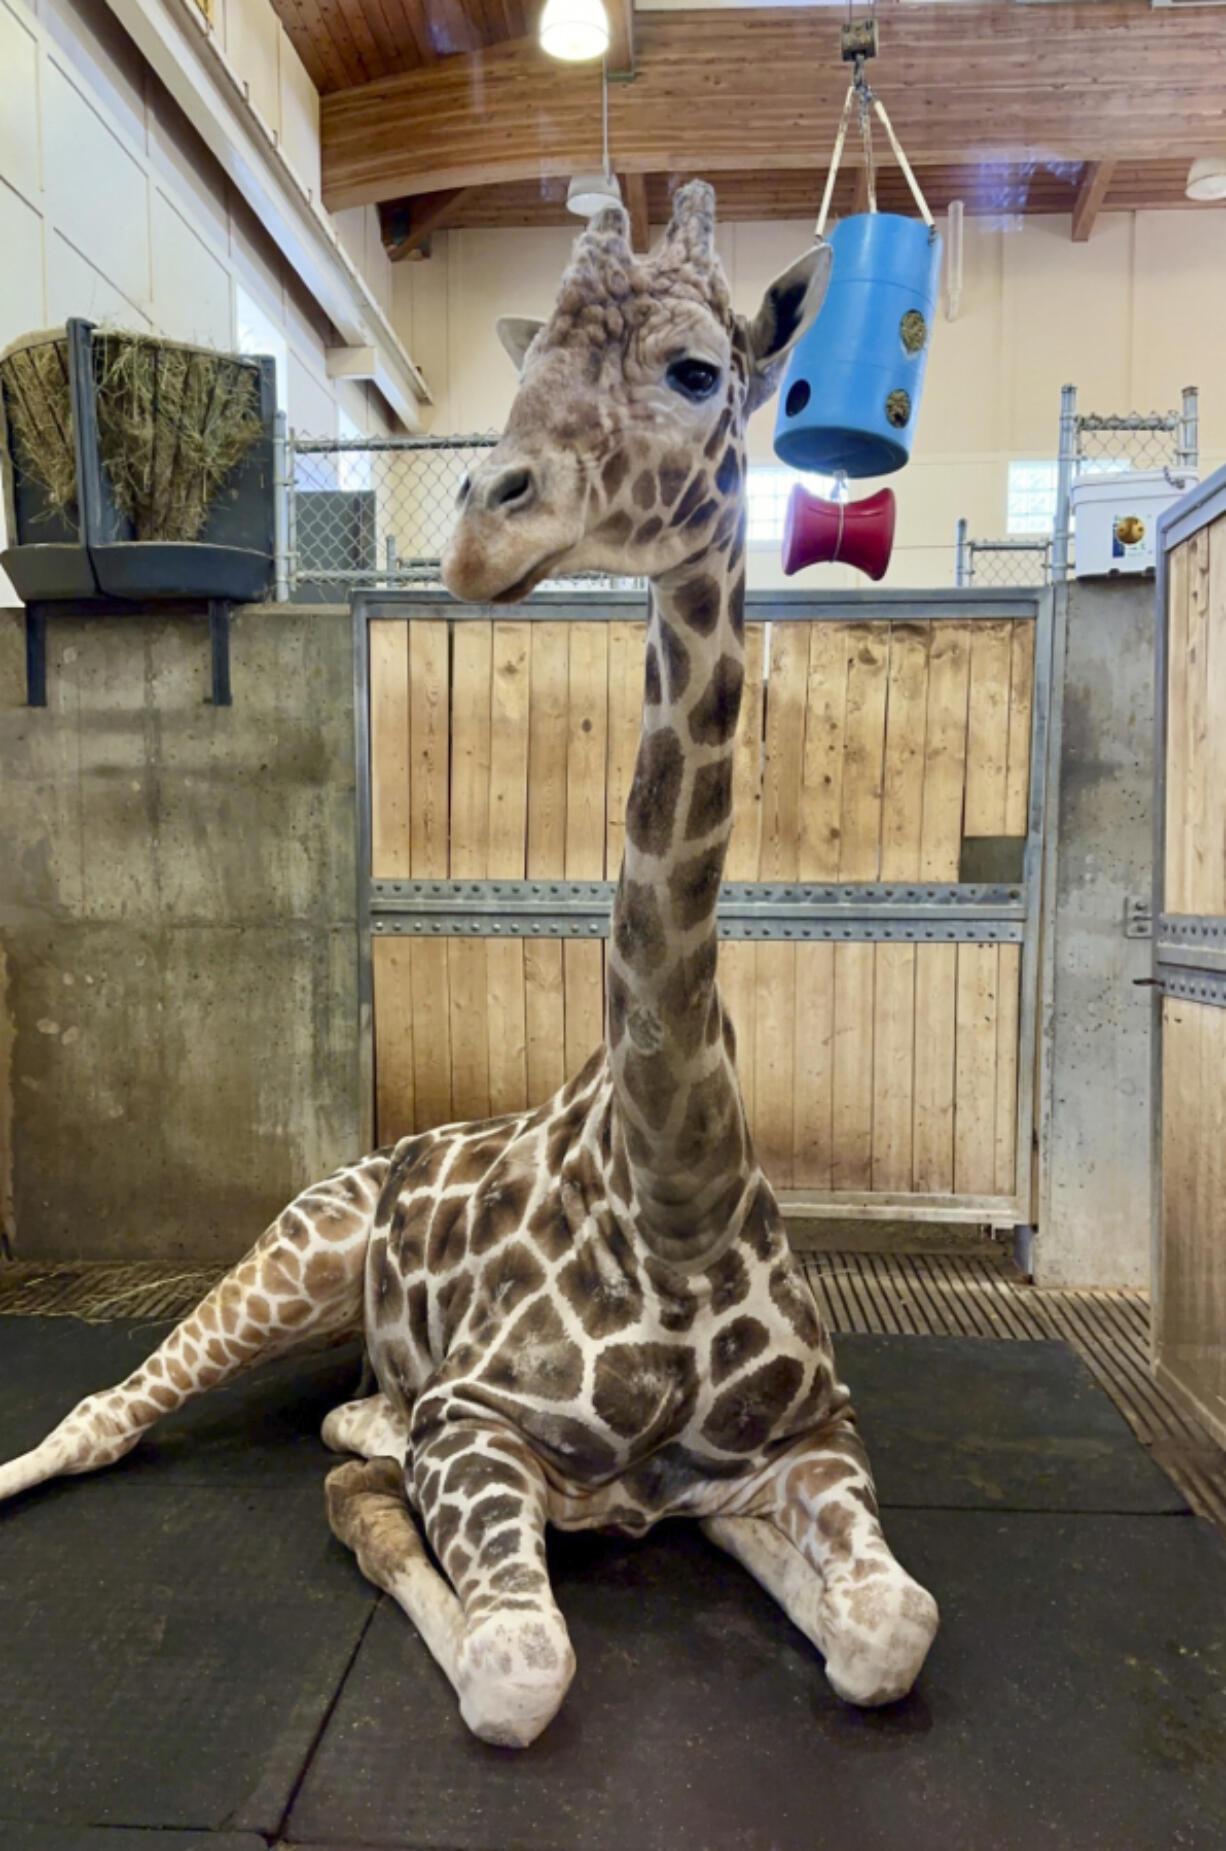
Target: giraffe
(587,1314)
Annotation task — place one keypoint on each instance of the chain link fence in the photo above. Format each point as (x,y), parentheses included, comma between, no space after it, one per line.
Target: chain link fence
(1091,443)
(1005,564)
(372,513)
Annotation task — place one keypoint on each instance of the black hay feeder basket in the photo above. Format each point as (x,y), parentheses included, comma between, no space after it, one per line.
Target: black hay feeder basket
(83,549)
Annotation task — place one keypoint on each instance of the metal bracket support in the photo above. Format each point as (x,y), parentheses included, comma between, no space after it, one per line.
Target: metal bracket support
(1138,918)
(899,912)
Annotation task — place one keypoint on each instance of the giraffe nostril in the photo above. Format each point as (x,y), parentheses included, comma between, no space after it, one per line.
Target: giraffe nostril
(512,490)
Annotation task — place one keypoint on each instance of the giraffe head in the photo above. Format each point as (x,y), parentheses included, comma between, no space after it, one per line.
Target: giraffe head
(624,450)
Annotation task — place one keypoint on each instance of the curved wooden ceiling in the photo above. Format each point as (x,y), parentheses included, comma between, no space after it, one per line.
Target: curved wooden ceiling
(1010,107)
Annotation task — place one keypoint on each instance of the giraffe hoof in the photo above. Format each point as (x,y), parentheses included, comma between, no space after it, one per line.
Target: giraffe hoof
(873,1661)
(514,1670)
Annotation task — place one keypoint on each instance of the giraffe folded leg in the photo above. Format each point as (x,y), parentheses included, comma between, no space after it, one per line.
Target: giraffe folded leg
(300,1283)
(369,1512)
(370,1427)
(823,1556)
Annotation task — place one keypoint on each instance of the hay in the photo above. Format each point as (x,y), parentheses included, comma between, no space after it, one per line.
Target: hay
(38,407)
(173,422)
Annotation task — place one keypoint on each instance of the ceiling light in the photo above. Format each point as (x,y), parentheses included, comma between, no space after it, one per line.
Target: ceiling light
(574,29)
(1207,177)
(589,194)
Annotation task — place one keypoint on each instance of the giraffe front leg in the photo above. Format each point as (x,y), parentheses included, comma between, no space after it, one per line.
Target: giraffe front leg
(484,1500)
(368,1511)
(873,1622)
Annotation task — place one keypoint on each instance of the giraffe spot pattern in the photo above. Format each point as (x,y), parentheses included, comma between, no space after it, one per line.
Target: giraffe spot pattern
(644,491)
(699,603)
(710,799)
(638,927)
(645,1391)
(745,1415)
(735,1345)
(614,473)
(713,717)
(537,1357)
(694,887)
(652,803)
(676,660)
(605,1297)
(652,689)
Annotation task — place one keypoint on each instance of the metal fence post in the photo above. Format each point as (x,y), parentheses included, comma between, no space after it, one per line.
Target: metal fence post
(1066,457)
(1189,430)
(282,489)
(961,574)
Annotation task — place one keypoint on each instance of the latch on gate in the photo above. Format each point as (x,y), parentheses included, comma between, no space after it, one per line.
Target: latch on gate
(1138,918)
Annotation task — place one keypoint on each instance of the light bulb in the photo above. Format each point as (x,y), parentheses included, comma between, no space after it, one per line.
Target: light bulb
(1207,178)
(574,30)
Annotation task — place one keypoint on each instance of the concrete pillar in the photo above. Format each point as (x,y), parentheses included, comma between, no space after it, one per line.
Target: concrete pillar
(1094,1143)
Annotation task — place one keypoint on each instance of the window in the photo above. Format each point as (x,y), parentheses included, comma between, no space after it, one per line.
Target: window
(768,490)
(1032,491)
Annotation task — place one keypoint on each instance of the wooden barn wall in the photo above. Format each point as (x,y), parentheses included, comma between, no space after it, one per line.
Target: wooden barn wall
(867,752)
(1191,1322)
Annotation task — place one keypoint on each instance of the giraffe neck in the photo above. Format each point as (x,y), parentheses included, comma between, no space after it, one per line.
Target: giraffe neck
(670,1047)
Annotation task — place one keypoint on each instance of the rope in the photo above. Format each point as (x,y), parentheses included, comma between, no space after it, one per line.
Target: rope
(904,163)
(835,158)
(859,91)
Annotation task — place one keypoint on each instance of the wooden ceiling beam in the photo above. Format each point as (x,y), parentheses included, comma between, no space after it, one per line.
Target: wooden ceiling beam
(634,192)
(620,55)
(1095,182)
(405,225)
(740,90)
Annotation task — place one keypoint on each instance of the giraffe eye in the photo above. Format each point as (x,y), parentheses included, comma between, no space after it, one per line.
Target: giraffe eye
(696,379)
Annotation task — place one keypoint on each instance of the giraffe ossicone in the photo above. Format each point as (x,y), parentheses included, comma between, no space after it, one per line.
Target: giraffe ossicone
(587,1314)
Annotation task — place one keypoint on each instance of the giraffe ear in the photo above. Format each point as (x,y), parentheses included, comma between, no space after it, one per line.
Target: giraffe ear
(517,333)
(789,306)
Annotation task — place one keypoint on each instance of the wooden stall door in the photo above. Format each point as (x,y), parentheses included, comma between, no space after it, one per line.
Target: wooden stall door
(867,752)
(1190,1320)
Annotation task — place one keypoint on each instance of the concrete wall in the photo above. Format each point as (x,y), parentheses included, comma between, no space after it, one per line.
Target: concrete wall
(177,921)
(1131,318)
(1094,1210)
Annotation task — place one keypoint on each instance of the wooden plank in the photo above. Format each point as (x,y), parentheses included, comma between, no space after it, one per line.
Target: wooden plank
(1008,1004)
(1214,868)
(392,973)
(975,1071)
(775,963)
(1196,799)
(818,860)
(634,192)
(389,750)
(945,745)
(619,59)
(896,967)
(936,990)
(587,744)
(1021,703)
(507,1031)
(1092,190)
(406,225)
(988,732)
(545,1015)
(737,959)
(859,860)
(1176,883)
(429,746)
(507,113)
(471,670)
(626,642)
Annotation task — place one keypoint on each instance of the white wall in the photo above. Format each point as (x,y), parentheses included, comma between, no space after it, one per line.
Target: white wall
(1130,318)
(112,207)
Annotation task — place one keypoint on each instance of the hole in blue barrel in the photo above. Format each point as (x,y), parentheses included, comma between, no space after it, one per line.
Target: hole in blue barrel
(797,398)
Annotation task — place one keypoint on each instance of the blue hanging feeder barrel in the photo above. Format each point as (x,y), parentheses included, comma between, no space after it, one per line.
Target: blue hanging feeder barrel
(852,391)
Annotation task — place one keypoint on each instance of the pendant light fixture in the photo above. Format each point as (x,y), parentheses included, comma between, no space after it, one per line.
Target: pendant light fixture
(574,30)
(1207,177)
(590,193)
